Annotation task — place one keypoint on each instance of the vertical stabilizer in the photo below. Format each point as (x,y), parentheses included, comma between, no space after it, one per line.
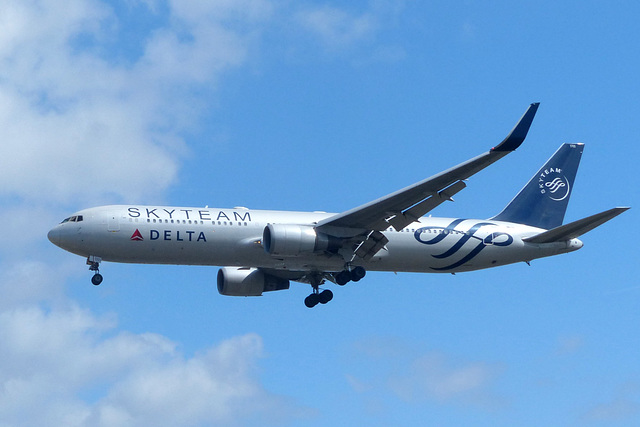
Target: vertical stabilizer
(543,201)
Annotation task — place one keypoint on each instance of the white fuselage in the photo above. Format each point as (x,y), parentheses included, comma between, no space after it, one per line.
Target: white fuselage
(232,237)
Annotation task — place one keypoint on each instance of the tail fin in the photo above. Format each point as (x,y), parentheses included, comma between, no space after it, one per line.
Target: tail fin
(543,201)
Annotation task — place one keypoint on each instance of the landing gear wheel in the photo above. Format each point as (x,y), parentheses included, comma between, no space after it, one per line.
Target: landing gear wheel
(312,300)
(96,279)
(325,296)
(358,273)
(343,277)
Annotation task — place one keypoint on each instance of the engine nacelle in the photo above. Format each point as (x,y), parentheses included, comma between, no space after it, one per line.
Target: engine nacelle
(289,240)
(248,282)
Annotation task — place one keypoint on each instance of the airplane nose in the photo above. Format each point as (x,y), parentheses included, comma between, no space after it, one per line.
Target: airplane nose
(54,236)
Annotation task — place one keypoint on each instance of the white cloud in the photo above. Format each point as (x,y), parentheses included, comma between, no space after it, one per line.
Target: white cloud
(80,369)
(215,386)
(613,411)
(336,27)
(341,30)
(357,385)
(432,376)
(76,122)
(28,282)
(569,345)
(415,376)
(52,358)
(237,11)
(624,407)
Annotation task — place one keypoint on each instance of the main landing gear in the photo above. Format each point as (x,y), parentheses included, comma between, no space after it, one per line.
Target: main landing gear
(342,278)
(317,297)
(353,275)
(94,265)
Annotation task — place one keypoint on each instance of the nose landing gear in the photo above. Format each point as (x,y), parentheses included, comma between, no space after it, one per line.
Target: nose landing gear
(94,265)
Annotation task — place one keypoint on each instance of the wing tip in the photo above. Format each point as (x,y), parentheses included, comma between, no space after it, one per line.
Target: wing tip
(518,134)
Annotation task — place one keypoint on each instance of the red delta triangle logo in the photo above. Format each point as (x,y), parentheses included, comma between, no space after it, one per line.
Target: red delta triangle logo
(136,235)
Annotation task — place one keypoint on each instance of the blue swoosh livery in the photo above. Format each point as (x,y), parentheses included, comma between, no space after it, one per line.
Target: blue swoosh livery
(490,240)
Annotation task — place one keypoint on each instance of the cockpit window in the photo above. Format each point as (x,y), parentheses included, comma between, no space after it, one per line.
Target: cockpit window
(75,218)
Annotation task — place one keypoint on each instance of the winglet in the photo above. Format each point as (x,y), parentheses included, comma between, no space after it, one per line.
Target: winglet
(519,132)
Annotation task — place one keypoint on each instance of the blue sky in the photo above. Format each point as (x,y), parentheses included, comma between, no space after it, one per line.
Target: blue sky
(313,105)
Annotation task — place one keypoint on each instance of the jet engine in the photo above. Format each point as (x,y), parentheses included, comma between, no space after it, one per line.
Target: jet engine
(248,282)
(289,240)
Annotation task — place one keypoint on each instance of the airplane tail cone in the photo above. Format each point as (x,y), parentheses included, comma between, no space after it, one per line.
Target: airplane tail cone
(543,201)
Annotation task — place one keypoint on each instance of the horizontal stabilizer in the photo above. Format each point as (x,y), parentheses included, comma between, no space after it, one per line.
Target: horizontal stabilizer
(576,228)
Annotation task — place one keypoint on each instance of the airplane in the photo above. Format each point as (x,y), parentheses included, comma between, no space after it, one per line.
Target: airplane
(262,251)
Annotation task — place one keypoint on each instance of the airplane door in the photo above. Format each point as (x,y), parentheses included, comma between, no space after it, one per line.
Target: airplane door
(113,224)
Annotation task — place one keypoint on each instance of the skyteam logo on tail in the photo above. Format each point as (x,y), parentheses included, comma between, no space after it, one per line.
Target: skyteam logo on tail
(554,184)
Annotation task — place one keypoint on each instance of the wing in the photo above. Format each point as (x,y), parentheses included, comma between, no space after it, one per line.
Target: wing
(405,206)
